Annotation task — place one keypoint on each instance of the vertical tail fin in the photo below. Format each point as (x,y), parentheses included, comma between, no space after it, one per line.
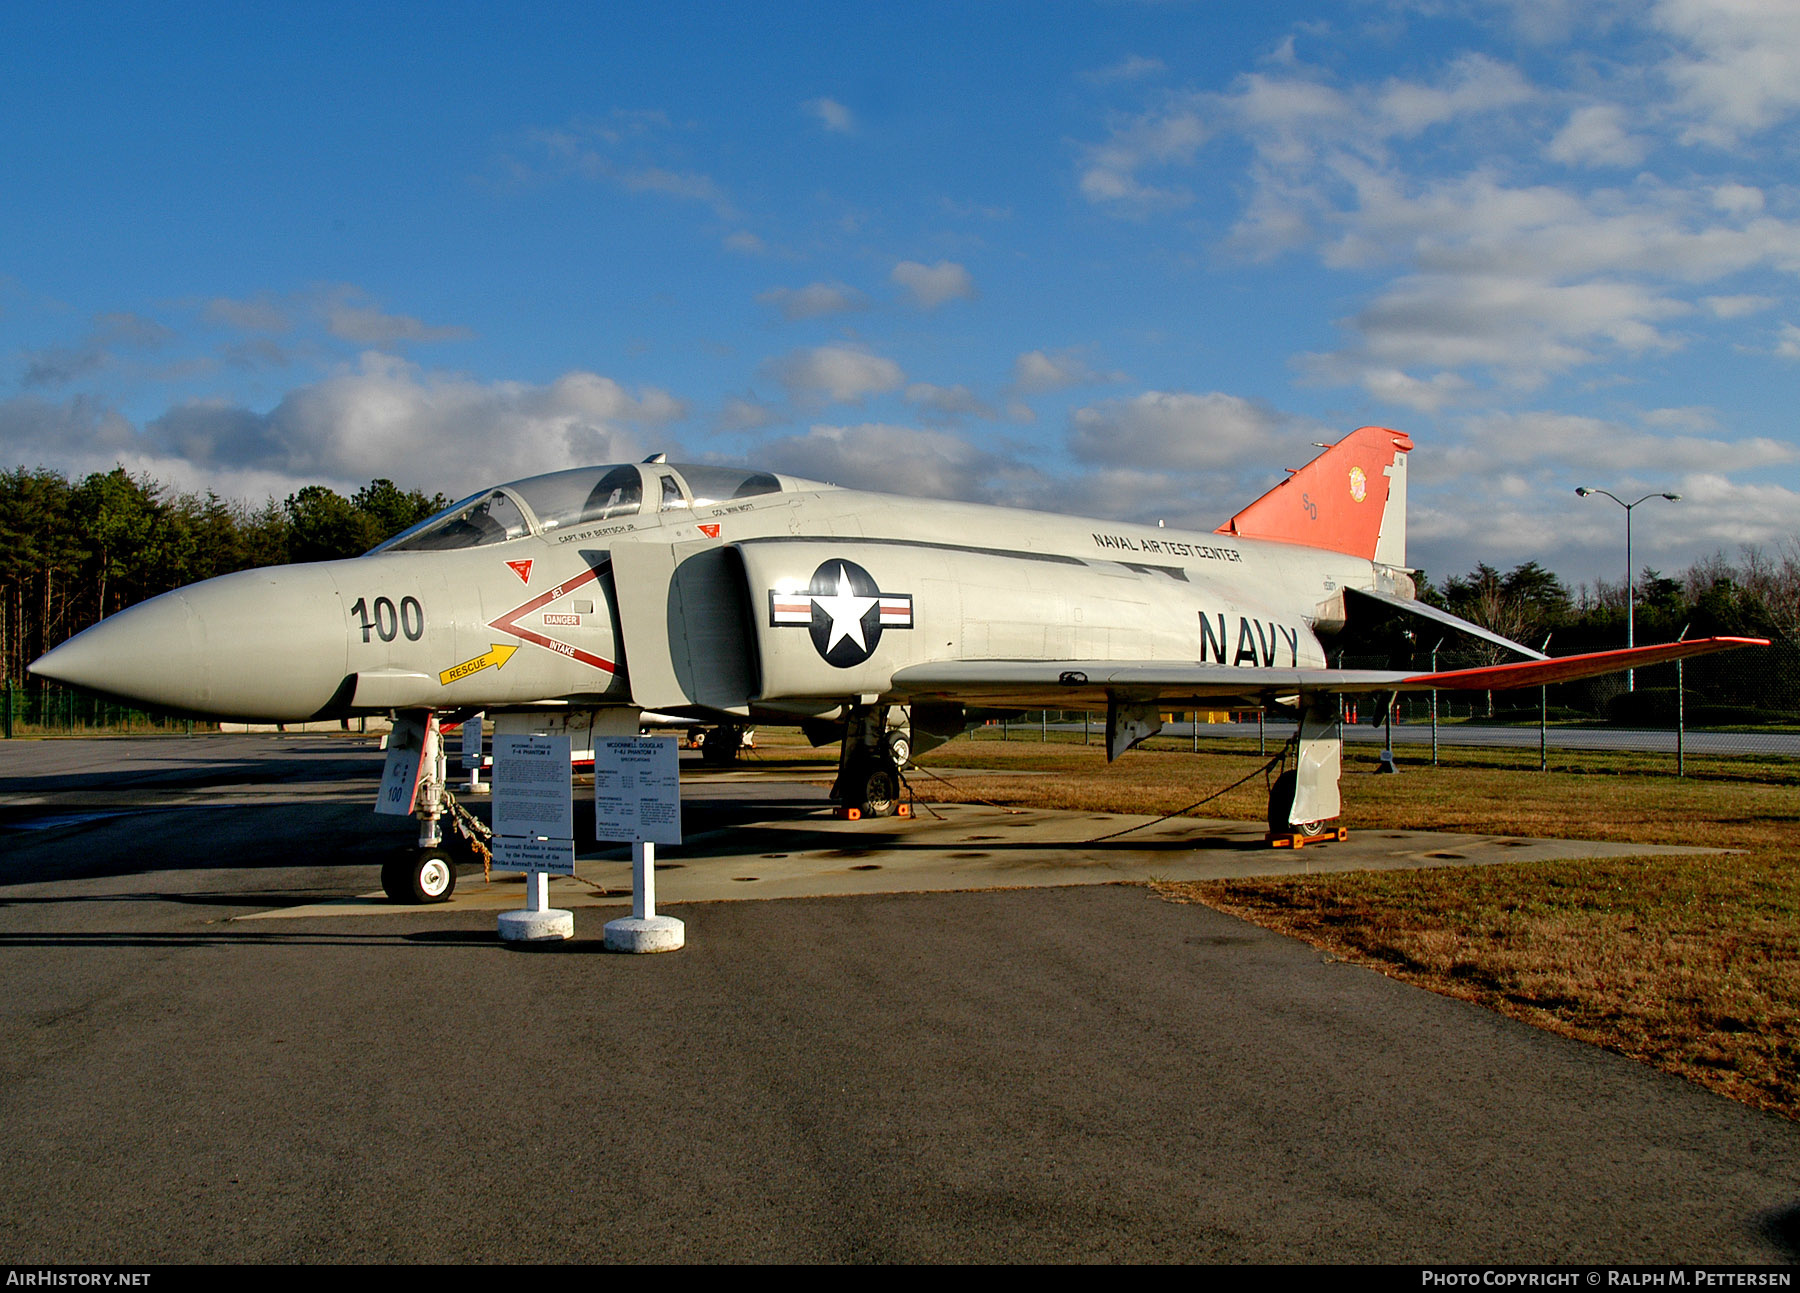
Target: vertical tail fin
(1351,498)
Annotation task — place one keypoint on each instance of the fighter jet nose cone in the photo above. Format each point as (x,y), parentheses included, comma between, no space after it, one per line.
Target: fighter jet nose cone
(131,655)
(265,644)
(76,663)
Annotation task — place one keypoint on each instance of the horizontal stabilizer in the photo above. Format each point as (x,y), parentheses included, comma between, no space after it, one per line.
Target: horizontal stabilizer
(1542,672)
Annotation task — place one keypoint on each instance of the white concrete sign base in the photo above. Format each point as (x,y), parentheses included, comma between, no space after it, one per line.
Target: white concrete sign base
(537,921)
(550,925)
(645,934)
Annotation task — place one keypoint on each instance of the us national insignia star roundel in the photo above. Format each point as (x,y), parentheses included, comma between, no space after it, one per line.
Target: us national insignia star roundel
(844,611)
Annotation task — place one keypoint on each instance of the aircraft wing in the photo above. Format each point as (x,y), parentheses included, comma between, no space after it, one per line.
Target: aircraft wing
(1075,684)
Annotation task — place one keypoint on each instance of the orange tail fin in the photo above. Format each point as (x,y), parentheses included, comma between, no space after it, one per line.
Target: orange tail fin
(1351,498)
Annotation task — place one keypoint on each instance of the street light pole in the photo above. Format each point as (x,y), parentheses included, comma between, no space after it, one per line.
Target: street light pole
(1582,491)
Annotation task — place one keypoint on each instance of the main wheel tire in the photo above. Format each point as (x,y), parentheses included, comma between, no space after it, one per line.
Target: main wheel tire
(719,745)
(880,792)
(899,747)
(418,879)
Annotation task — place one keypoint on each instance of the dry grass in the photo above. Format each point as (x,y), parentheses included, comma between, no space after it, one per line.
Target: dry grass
(1691,964)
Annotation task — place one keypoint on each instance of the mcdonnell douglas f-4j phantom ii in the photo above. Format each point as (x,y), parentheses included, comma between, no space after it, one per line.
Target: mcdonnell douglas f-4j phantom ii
(581,598)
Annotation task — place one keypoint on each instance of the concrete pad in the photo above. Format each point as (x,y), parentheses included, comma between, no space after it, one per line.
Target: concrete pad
(794,851)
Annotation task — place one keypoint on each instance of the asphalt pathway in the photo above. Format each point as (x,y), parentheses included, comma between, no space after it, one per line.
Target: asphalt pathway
(1081,1073)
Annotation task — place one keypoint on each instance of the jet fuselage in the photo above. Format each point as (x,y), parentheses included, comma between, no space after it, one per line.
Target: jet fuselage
(790,597)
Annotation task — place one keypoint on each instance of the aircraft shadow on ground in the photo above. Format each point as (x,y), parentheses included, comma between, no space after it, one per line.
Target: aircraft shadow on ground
(1781,1228)
(339,834)
(295,768)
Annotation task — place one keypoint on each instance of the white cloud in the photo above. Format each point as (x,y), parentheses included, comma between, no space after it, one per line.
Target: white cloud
(112,334)
(933,285)
(746,243)
(840,373)
(351,316)
(813,301)
(1493,273)
(947,403)
(1734,307)
(1787,342)
(259,314)
(79,434)
(1738,199)
(630,150)
(1426,395)
(385,417)
(1037,371)
(1133,67)
(1498,442)
(888,458)
(1164,430)
(691,185)
(1525,281)
(746,413)
(1167,136)
(833,115)
(1737,74)
(1684,419)
(1596,136)
(1523,327)
(1473,84)
(1533,514)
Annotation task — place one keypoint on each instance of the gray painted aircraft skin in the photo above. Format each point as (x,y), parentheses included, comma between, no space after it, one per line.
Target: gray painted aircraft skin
(745,596)
(413,626)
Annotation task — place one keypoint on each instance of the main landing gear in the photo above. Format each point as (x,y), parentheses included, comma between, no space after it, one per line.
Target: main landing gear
(719,746)
(869,763)
(1303,802)
(1281,808)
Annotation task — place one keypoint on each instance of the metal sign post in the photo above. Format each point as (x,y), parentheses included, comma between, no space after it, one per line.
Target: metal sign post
(637,797)
(471,749)
(534,830)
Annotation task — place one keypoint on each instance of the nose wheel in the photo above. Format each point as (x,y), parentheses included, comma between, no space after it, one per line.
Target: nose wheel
(419,878)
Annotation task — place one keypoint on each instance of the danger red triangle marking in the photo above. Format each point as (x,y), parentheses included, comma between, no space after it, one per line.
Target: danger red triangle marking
(509,622)
(710,531)
(522,569)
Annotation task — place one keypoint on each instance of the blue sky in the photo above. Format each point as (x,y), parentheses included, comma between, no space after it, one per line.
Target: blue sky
(1111,259)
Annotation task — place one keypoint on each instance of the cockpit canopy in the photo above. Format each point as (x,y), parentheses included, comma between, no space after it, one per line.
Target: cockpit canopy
(584,495)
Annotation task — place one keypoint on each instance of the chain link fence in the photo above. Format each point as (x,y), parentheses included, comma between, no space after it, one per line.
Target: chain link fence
(1742,704)
(48,710)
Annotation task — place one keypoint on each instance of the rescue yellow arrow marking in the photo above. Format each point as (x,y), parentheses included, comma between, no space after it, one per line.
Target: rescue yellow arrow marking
(496,657)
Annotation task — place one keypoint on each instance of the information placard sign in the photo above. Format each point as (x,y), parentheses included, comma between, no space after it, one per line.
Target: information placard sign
(534,811)
(637,790)
(471,749)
